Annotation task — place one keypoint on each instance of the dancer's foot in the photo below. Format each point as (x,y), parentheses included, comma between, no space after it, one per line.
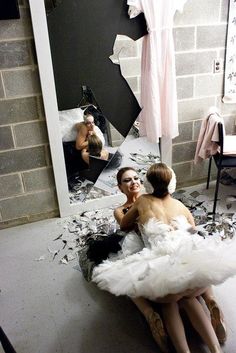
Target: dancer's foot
(217,321)
(158,332)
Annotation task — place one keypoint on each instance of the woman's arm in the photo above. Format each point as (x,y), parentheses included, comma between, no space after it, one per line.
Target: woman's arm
(81,138)
(118,214)
(129,219)
(190,218)
(188,215)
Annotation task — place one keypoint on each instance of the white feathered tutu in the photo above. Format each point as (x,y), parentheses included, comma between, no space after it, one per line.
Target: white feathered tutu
(170,261)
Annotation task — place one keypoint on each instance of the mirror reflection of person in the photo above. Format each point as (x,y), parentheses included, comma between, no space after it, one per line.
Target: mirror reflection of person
(187,300)
(75,163)
(94,148)
(85,129)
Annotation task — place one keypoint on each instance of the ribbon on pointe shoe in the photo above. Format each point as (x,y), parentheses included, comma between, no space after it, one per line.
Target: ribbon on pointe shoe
(158,332)
(217,321)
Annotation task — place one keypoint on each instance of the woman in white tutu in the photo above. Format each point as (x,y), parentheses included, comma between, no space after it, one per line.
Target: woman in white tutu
(173,260)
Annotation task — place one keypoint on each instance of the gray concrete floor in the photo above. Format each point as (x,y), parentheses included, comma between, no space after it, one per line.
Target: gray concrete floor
(47,307)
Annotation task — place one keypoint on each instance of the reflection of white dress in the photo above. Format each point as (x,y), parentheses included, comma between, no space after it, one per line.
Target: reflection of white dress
(172,261)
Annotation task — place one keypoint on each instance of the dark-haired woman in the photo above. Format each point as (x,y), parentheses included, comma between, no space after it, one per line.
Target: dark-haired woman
(129,184)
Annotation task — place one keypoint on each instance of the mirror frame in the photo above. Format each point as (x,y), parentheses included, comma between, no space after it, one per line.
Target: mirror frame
(42,44)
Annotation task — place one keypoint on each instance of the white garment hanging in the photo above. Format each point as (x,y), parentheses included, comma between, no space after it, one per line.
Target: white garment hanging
(230,60)
(159,115)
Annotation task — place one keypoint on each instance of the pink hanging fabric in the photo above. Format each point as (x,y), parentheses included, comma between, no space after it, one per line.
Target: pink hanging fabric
(159,115)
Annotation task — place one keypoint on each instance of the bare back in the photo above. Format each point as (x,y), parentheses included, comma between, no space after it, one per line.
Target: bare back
(148,206)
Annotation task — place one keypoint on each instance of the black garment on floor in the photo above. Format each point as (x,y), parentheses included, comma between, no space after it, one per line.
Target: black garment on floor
(100,249)
(97,251)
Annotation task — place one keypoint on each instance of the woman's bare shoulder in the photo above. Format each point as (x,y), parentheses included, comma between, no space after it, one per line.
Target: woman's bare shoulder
(80,126)
(182,209)
(144,198)
(177,202)
(145,202)
(118,209)
(178,205)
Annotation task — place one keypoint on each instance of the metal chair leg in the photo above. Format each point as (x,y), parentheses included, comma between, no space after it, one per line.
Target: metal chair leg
(216,190)
(209,173)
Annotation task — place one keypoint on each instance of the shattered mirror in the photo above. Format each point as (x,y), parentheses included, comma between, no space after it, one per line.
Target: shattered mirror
(100,178)
(72,67)
(136,150)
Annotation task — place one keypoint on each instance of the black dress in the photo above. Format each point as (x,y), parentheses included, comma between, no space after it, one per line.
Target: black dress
(98,250)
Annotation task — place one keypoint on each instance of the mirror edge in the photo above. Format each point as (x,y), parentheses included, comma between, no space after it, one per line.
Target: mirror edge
(42,44)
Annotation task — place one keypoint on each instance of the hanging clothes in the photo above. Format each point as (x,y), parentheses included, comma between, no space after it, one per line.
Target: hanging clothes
(208,137)
(159,115)
(230,59)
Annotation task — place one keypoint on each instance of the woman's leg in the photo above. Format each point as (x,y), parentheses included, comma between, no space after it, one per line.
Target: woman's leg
(201,323)
(175,327)
(217,317)
(169,298)
(154,321)
(143,305)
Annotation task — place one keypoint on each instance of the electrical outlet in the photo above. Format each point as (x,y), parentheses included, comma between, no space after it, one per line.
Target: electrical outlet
(218,66)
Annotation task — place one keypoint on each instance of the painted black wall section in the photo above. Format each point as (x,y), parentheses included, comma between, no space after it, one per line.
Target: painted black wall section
(9,9)
(82,35)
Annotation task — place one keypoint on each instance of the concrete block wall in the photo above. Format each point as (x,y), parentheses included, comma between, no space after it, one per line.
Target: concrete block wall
(27,188)
(200,38)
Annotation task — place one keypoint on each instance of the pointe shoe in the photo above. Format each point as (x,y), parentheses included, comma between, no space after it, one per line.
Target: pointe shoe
(158,332)
(217,321)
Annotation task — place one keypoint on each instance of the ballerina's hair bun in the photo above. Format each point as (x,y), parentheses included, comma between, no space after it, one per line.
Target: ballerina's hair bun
(160,180)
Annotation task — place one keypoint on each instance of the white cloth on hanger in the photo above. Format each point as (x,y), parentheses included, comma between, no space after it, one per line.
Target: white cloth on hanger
(159,115)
